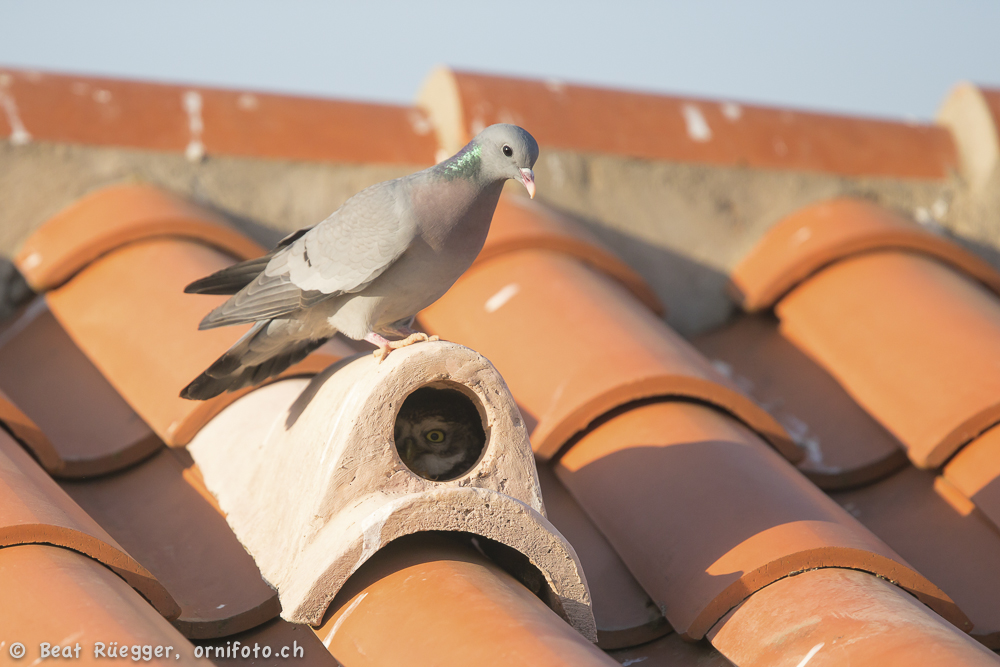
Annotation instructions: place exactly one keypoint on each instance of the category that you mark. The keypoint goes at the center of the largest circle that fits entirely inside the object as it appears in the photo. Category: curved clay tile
(165, 523)
(936, 530)
(973, 116)
(624, 613)
(975, 471)
(111, 217)
(841, 617)
(447, 605)
(671, 651)
(128, 312)
(91, 430)
(197, 120)
(18, 424)
(843, 445)
(276, 633)
(704, 514)
(913, 341)
(660, 127)
(33, 510)
(66, 599)
(520, 223)
(819, 235)
(572, 345)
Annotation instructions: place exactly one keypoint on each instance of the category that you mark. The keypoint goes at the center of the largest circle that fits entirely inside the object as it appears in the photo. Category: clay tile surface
(972, 113)
(34, 510)
(625, 615)
(18, 424)
(64, 598)
(90, 429)
(937, 530)
(659, 127)
(975, 472)
(573, 344)
(653, 477)
(128, 312)
(671, 651)
(912, 340)
(841, 617)
(197, 120)
(167, 525)
(446, 605)
(843, 445)
(818, 235)
(520, 223)
(276, 635)
(110, 218)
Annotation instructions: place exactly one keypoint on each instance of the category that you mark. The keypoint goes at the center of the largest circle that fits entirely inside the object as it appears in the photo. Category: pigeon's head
(507, 151)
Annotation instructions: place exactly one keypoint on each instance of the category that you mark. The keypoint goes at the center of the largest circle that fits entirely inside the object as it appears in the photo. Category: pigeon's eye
(507, 150)
(437, 435)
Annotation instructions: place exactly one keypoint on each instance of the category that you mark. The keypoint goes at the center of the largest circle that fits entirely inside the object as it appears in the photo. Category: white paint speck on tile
(555, 86)
(19, 135)
(195, 150)
(420, 123)
(102, 96)
(809, 656)
(731, 110)
(343, 617)
(697, 127)
(502, 296)
(801, 236)
(633, 661)
(247, 102)
(221, 606)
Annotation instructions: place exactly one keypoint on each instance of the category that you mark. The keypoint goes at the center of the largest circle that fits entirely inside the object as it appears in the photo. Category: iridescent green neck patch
(465, 163)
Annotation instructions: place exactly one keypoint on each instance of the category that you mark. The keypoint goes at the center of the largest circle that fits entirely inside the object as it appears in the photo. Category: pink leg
(386, 346)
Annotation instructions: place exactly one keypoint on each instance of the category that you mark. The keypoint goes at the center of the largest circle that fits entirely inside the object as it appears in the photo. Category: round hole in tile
(439, 432)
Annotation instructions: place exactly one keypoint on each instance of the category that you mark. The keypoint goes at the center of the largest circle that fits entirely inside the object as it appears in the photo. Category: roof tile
(653, 477)
(65, 598)
(975, 471)
(660, 127)
(198, 120)
(841, 617)
(953, 547)
(154, 512)
(34, 510)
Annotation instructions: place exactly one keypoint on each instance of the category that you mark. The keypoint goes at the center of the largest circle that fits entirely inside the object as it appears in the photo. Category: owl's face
(430, 434)
(437, 437)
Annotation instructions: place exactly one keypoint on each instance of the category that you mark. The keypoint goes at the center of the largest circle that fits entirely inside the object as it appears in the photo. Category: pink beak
(528, 178)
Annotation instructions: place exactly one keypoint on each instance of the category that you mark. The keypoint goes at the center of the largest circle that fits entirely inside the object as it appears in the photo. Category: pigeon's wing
(342, 254)
(232, 279)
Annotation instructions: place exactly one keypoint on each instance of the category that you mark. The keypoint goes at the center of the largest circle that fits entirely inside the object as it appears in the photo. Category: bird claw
(416, 337)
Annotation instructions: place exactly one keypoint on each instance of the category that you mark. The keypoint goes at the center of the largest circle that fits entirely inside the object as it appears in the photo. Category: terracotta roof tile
(276, 634)
(660, 127)
(604, 348)
(975, 471)
(90, 430)
(841, 617)
(446, 604)
(168, 526)
(920, 517)
(816, 236)
(198, 120)
(844, 446)
(34, 510)
(912, 340)
(671, 651)
(653, 477)
(150, 322)
(65, 598)
(625, 615)
(16, 423)
(973, 115)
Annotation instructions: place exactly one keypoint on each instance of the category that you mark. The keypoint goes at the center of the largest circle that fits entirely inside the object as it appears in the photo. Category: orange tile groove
(34, 510)
(64, 598)
(844, 446)
(197, 120)
(819, 235)
(840, 617)
(661, 127)
(446, 605)
(975, 472)
(572, 345)
(19, 425)
(653, 477)
(914, 342)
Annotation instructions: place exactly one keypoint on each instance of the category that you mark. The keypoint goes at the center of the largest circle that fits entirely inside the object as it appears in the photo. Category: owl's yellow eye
(437, 435)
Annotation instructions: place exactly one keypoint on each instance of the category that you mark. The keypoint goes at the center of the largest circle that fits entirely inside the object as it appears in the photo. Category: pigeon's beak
(528, 178)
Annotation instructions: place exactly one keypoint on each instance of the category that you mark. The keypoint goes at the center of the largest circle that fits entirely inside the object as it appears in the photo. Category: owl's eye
(507, 150)
(437, 435)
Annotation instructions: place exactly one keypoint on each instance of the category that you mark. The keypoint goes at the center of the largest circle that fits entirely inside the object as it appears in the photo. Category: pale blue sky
(895, 59)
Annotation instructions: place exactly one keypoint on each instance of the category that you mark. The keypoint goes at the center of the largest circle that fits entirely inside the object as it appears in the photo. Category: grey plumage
(390, 251)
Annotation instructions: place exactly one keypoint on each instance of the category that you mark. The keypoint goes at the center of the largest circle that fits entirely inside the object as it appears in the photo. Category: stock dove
(390, 251)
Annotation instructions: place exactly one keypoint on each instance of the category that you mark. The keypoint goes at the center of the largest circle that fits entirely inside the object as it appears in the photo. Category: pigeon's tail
(255, 357)
(231, 279)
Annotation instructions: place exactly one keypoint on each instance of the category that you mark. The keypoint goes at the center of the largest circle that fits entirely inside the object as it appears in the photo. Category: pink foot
(386, 346)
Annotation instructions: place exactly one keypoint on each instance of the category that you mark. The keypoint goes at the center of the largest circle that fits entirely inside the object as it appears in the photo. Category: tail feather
(231, 279)
(237, 368)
